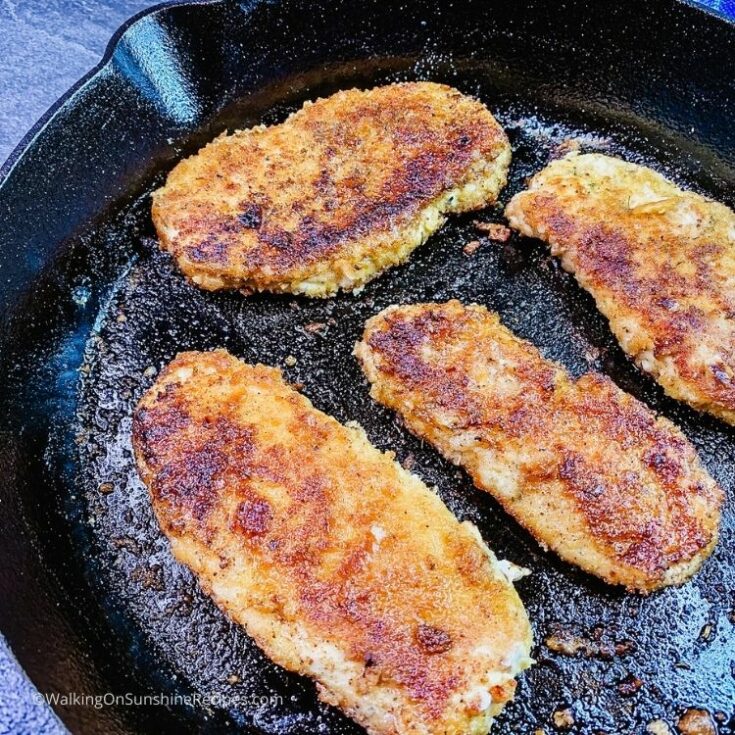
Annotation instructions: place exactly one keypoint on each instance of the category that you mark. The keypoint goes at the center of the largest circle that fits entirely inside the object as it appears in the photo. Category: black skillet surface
(90, 599)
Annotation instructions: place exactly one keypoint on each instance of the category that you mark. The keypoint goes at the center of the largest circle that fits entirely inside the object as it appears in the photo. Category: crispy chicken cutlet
(658, 260)
(343, 189)
(586, 468)
(338, 562)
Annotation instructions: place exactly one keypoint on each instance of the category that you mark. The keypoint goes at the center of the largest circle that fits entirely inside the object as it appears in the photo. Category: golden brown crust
(659, 261)
(338, 562)
(586, 467)
(346, 187)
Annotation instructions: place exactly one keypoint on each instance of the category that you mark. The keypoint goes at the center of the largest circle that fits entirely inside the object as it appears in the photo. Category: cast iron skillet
(90, 599)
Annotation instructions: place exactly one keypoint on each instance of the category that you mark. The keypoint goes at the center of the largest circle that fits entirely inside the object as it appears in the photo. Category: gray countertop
(45, 47)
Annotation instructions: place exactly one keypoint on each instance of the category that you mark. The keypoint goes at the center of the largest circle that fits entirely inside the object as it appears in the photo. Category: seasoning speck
(629, 685)
(696, 722)
(493, 231)
(570, 145)
(625, 646)
(290, 361)
(315, 327)
(658, 727)
(471, 247)
(562, 718)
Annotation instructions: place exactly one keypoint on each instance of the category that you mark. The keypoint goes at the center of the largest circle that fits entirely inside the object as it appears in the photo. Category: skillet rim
(27, 140)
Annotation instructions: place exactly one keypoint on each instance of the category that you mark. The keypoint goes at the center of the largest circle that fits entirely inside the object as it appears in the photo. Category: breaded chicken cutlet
(659, 262)
(338, 562)
(343, 189)
(586, 468)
